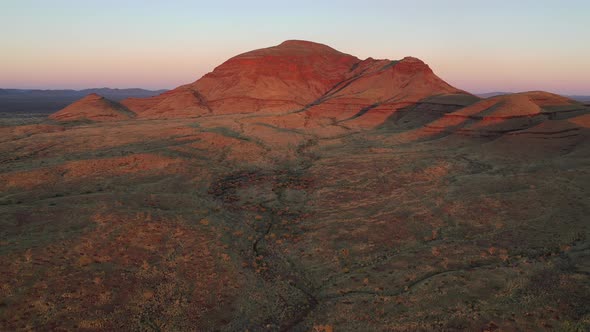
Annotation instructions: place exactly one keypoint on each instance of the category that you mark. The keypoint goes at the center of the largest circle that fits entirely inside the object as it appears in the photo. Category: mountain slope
(377, 88)
(182, 102)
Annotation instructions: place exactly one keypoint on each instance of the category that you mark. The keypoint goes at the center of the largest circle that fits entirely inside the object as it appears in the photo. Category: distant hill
(49, 101)
(491, 94)
(584, 99)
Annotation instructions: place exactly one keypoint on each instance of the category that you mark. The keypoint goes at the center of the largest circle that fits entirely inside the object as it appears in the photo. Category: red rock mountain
(297, 75)
(94, 108)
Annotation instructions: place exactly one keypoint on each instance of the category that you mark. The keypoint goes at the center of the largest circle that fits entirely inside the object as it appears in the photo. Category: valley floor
(233, 223)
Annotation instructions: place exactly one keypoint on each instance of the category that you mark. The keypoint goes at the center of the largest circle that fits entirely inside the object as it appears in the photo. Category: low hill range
(115, 94)
(299, 188)
(24, 101)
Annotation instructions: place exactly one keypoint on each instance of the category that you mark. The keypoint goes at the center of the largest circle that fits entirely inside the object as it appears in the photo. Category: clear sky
(479, 46)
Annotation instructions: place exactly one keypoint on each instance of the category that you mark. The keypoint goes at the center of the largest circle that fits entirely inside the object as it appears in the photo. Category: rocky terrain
(298, 188)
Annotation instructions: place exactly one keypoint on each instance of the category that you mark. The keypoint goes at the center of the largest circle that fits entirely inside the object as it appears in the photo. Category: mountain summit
(287, 76)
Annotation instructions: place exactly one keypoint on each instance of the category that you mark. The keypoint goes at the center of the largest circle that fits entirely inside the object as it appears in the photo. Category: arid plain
(298, 188)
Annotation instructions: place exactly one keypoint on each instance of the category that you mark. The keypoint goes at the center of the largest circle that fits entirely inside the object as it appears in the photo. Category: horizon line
(168, 89)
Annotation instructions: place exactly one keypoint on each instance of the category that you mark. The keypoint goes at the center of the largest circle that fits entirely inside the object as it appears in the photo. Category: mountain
(24, 101)
(93, 108)
(300, 84)
(280, 78)
(298, 76)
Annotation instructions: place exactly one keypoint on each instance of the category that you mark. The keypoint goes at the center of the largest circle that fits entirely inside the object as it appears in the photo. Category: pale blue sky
(474, 45)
